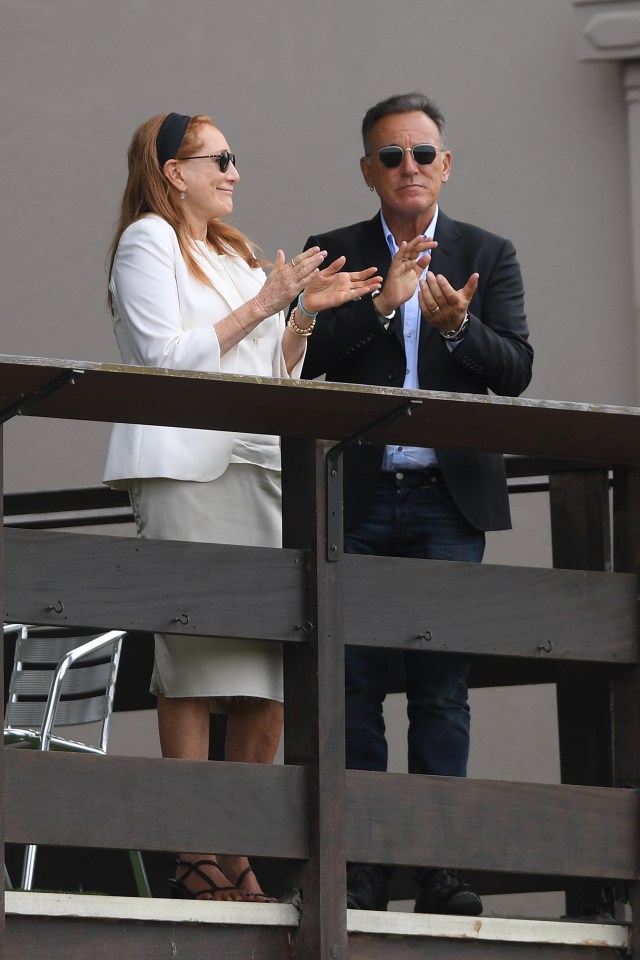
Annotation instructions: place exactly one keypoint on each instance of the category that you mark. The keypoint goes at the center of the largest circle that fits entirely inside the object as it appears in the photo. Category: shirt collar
(391, 243)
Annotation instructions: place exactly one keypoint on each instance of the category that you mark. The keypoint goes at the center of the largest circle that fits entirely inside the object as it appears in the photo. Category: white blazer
(164, 317)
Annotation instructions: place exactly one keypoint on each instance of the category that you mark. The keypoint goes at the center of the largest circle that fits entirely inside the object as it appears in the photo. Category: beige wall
(539, 145)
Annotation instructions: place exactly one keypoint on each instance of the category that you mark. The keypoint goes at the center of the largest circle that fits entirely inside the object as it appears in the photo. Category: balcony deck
(577, 627)
(188, 926)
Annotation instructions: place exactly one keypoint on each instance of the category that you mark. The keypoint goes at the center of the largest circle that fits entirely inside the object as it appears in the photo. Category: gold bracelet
(300, 331)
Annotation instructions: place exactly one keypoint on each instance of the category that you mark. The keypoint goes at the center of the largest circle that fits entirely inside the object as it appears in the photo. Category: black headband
(170, 136)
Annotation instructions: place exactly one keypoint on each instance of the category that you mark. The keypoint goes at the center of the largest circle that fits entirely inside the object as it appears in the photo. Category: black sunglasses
(422, 153)
(223, 159)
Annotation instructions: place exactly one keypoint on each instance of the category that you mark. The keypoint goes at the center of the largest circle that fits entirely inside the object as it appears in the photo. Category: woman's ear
(172, 172)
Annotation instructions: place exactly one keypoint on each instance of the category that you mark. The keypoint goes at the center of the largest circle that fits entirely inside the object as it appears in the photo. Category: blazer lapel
(442, 261)
(374, 245)
(447, 234)
(238, 287)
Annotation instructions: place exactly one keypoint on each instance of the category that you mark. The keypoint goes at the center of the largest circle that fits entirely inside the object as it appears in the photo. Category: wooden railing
(576, 626)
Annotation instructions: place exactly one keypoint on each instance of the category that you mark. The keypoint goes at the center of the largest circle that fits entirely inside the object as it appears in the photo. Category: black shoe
(444, 891)
(367, 887)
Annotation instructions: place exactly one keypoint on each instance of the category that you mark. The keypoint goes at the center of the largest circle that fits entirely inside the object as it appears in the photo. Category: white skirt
(243, 507)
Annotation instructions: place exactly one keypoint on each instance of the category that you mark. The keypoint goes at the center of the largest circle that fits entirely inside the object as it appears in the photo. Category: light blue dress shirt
(409, 458)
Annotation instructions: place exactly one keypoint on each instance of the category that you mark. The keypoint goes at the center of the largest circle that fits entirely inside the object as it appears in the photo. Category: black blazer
(350, 345)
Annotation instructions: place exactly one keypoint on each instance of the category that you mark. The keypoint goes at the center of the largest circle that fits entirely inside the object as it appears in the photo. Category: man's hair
(402, 103)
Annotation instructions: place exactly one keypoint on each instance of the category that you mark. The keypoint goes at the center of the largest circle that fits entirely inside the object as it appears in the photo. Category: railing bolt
(427, 635)
(183, 619)
(546, 647)
(57, 607)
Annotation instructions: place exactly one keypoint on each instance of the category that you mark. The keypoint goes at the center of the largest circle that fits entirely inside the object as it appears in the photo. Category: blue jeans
(411, 515)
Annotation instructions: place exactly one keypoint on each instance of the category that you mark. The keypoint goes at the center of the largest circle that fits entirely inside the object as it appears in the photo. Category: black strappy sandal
(257, 897)
(194, 867)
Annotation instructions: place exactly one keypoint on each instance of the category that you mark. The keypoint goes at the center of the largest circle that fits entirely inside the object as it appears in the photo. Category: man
(449, 316)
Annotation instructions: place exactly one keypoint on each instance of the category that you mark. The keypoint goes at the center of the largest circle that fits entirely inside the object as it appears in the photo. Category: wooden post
(2, 606)
(580, 534)
(626, 681)
(314, 705)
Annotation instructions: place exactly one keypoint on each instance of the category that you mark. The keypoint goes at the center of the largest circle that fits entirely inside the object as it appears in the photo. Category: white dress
(198, 485)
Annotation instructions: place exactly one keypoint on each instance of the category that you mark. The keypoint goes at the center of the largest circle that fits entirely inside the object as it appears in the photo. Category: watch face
(456, 334)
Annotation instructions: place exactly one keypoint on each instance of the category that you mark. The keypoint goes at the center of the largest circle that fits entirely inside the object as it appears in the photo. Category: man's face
(410, 190)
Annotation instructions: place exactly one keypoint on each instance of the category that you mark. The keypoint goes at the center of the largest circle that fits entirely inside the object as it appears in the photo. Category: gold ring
(435, 310)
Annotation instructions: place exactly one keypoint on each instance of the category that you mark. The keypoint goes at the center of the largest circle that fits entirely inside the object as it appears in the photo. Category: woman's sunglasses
(422, 153)
(223, 159)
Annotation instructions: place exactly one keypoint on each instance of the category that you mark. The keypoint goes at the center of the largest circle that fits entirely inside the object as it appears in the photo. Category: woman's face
(209, 191)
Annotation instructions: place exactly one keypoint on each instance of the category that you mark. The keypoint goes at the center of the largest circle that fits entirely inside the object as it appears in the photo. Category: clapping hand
(444, 307)
(330, 287)
(404, 273)
(288, 278)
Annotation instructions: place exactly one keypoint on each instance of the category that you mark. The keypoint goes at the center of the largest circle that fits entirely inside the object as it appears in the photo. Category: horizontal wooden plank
(391, 818)
(367, 946)
(76, 938)
(231, 929)
(157, 586)
(493, 825)
(545, 615)
(152, 804)
(509, 611)
(111, 392)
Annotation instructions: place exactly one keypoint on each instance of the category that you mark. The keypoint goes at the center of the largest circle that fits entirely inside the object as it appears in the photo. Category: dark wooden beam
(493, 825)
(112, 392)
(626, 691)
(510, 611)
(2, 594)
(76, 938)
(391, 818)
(626, 683)
(158, 586)
(367, 946)
(581, 540)
(201, 588)
(150, 804)
(314, 705)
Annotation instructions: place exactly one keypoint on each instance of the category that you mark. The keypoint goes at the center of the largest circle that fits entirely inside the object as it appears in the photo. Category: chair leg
(139, 873)
(28, 866)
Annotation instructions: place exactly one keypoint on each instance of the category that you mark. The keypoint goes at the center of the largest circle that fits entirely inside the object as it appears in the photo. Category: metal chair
(62, 677)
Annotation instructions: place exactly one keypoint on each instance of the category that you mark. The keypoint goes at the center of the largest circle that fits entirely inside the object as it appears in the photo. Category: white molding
(158, 910)
(155, 909)
(608, 29)
(566, 933)
(605, 3)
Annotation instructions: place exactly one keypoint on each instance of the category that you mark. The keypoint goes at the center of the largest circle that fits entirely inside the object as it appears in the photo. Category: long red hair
(148, 191)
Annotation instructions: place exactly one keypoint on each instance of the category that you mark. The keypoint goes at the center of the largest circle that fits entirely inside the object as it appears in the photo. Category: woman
(187, 292)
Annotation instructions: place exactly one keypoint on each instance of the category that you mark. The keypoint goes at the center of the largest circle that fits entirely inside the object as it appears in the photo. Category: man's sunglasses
(223, 159)
(422, 153)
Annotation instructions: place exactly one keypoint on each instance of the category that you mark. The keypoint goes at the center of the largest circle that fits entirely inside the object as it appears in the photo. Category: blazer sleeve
(148, 318)
(343, 332)
(496, 349)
